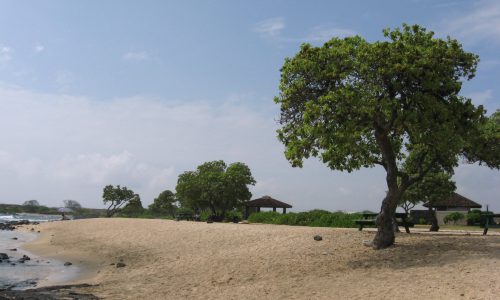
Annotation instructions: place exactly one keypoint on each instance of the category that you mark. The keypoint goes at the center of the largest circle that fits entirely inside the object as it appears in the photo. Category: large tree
(164, 204)
(393, 103)
(215, 186)
(116, 197)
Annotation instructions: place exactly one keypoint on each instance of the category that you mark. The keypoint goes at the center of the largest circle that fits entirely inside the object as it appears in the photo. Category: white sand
(189, 260)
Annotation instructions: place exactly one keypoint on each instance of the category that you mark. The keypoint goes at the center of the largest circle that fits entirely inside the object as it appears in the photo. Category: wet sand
(192, 260)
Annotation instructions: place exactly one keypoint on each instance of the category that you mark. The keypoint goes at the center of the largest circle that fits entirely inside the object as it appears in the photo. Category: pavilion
(265, 201)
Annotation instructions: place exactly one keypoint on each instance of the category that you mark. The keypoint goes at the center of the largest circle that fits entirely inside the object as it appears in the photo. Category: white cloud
(136, 56)
(57, 147)
(39, 48)
(481, 23)
(270, 27)
(325, 33)
(5, 54)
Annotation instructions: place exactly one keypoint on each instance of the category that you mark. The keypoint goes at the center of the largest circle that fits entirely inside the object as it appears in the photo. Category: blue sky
(136, 92)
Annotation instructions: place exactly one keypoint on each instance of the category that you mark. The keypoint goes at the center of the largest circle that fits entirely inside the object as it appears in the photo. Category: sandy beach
(194, 260)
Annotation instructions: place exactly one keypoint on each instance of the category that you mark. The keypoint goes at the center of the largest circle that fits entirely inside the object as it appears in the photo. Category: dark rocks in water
(49, 293)
(4, 256)
(23, 259)
(67, 263)
(120, 265)
(11, 225)
(14, 238)
(318, 238)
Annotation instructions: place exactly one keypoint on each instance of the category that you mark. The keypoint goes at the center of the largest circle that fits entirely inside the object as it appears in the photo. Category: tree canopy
(133, 208)
(393, 103)
(72, 204)
(116, 197)
(164, 204)
(215, 186)
(31, 203)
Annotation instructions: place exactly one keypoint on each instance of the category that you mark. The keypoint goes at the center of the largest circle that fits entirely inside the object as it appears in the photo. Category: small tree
(164, 204)
(215, 186)
(133, 208)
(436, 185)
(72, 204)
(31, 203)
(116, 197)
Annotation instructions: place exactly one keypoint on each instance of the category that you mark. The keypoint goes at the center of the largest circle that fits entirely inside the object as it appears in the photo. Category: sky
(137, 92)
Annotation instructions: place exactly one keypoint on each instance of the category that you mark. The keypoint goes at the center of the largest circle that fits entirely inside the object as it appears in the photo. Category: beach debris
(318, 238)
(120, 265)
(68, 263)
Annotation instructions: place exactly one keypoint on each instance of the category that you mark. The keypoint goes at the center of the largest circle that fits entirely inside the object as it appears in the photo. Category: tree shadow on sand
(432, 251)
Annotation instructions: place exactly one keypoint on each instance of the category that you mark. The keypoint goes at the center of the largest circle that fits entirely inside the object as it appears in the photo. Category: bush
(453, 217)
(315, 218)
(422, 221)
(233, 216)
(473, 217)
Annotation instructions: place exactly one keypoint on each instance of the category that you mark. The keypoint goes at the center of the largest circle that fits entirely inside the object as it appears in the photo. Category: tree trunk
(434, 221)
(385, 222)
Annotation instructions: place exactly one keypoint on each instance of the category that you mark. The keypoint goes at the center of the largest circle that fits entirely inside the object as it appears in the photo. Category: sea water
(36, 271)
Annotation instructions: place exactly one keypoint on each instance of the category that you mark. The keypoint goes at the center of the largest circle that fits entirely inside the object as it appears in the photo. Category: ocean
(37, 270)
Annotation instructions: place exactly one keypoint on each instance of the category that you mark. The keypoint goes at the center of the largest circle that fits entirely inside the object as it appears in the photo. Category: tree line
(214, 186)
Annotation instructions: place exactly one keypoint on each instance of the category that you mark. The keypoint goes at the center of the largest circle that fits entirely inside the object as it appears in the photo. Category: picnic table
(489, 221)
(370, 219)
(187, 217)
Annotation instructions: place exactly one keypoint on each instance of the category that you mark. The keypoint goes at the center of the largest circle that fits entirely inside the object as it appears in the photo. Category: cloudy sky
(136, 92)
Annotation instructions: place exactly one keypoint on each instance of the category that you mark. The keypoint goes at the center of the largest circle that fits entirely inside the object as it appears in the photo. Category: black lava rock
(318, 238)
(68, 263)
(120, 265)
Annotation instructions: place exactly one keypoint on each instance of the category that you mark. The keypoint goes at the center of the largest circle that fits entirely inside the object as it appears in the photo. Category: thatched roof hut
(268, 202)
(454, 202)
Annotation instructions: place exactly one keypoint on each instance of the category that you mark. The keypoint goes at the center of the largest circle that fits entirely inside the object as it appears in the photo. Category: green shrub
(473, 217)
(422, 221)
(315, 218)
(267, 217)
(453, 217)
(233, 215)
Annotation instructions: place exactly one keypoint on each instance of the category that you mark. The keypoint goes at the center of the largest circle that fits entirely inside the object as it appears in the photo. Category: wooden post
(284, 210)
(274, 209)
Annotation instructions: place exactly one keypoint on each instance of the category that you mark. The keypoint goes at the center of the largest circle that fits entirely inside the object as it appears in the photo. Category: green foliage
(116, 197)
(133, 208)
(315, 218)
(394, 103)
(215, 186)
(453, 217)
(473, 217)
(434, 186)
(164, 204)
(484, 142)
(422, 221)
(72, 204)
(31, 203)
